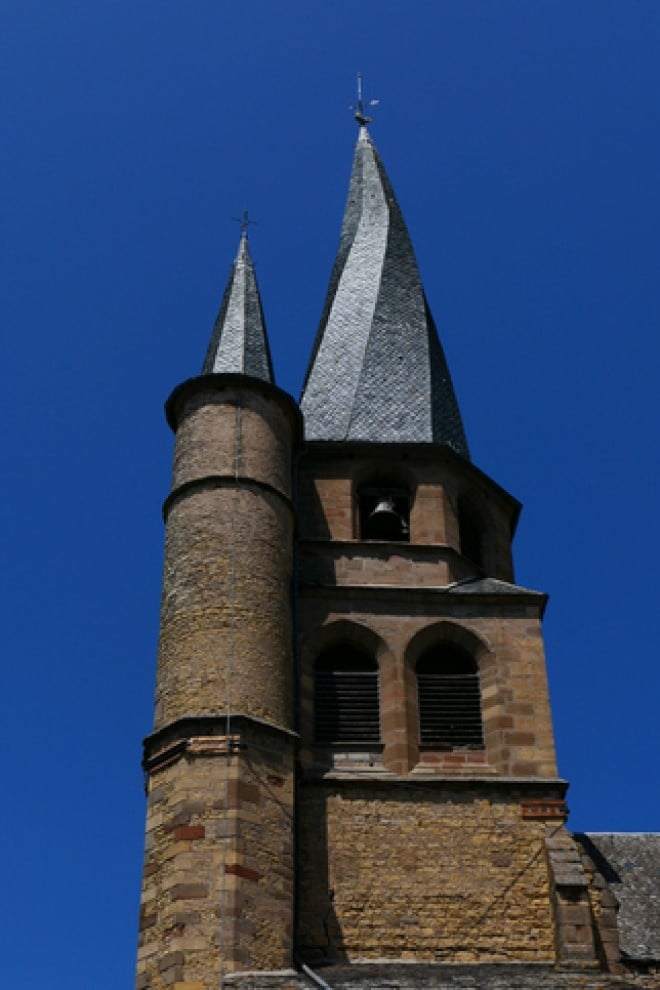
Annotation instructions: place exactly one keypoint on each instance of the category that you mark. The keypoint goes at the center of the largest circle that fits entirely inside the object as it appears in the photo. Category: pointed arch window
(449, 699)
(346, 696)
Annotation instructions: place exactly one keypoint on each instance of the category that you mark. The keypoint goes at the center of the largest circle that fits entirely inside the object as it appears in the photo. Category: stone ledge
(379, 776)
(430, 593)
(204, 735)
(212, 482)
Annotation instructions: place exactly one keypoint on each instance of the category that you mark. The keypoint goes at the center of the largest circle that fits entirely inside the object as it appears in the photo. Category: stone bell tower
(431, 810)
(218, 876)
(352, 762)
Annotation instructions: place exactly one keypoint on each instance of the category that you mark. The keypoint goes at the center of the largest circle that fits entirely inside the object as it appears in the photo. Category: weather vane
(244, 221)
(358, 109)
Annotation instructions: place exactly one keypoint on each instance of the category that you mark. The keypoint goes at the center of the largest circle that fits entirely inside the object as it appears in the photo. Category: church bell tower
(430, 804)
(352, 762)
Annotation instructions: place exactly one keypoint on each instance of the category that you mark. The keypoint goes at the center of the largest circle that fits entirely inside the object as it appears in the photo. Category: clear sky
(523, 142)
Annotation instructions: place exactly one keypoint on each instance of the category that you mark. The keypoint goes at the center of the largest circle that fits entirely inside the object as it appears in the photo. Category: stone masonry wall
(327, 499)
(226, 628)
(518, 737)
(225, 635)
(410, 873)
(392, 564)
(208, 444)
(218, 873)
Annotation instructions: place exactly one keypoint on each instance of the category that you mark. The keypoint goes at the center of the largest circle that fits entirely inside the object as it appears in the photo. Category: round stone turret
(226, 628)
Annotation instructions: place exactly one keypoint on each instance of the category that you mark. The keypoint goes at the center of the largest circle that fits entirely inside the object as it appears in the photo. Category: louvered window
(449, 699)
(346, 707)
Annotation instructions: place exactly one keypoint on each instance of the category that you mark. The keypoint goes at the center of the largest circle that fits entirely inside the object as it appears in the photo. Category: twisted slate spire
(239, 344)
(378, 372)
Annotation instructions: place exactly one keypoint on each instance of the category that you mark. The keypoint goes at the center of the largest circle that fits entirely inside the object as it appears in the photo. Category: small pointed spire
(239, 344)
(378, 372)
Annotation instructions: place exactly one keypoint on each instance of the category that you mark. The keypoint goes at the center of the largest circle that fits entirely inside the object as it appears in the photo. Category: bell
(385, 523)
(384, 506)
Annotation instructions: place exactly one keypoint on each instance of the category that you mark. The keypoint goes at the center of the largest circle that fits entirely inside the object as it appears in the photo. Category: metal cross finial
(244, 221)
(358, 109)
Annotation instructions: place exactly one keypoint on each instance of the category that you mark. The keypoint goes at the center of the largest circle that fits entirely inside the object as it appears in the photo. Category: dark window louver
(346, 703)
(449, 701)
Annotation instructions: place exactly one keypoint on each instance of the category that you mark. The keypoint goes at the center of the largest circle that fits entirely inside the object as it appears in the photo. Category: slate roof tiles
(629, 862)
(239, 344)
(378, 372)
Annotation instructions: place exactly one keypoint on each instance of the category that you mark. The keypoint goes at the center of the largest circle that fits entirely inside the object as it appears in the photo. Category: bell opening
(384, 515)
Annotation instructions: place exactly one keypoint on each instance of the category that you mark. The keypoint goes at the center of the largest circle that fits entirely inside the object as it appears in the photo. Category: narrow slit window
(471, 533)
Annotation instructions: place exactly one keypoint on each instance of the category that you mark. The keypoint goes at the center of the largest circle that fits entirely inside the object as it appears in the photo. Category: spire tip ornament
(244, 222)
(358, 110)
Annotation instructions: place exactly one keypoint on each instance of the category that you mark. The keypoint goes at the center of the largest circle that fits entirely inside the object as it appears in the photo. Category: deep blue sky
(523, 141)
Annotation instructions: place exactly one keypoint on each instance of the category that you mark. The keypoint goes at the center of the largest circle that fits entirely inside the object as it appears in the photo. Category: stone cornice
(204, 735)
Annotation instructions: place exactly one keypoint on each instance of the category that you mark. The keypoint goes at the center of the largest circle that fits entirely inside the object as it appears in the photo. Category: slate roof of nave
(630, 864)
(427, 976)
(484, 976)
(239, 344)
(378, 372)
